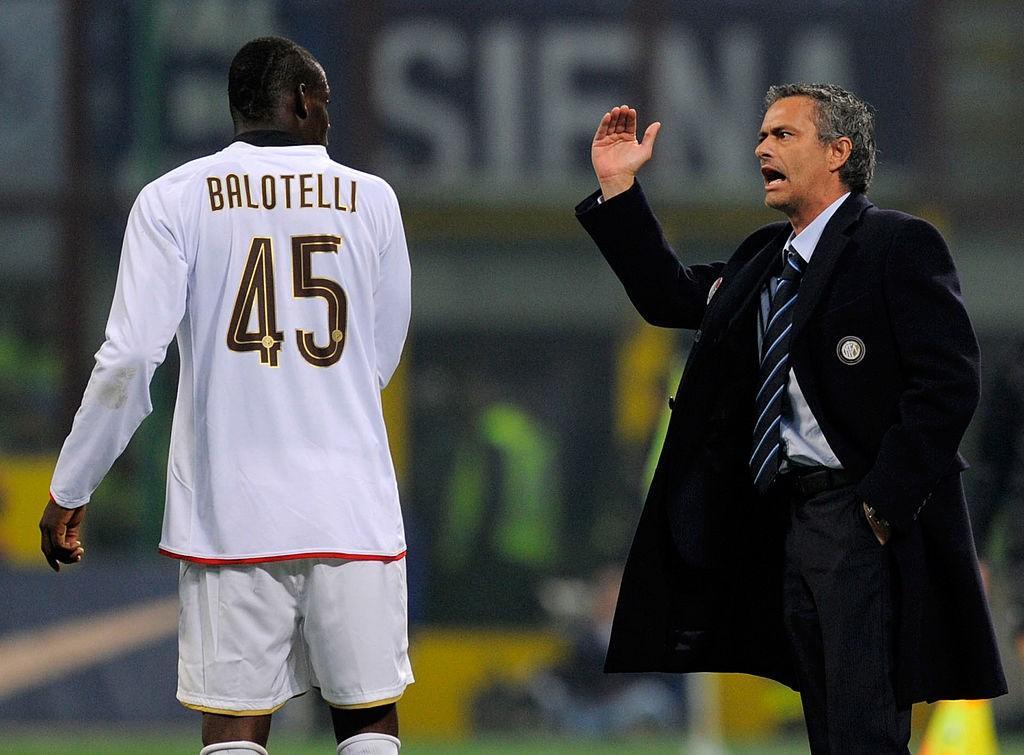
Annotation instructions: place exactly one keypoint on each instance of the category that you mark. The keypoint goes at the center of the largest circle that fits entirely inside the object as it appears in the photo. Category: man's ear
(301, 109)
(839, 152)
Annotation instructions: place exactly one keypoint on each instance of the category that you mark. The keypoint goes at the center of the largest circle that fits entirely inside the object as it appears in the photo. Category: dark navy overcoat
(702, 585)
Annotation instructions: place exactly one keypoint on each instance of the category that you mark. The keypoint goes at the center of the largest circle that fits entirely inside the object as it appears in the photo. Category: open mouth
(772, 177)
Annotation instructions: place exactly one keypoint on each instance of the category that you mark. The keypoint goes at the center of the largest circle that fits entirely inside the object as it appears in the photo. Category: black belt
(809, 481)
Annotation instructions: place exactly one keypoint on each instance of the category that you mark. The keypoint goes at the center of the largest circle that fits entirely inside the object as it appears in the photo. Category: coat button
(696, 337)
(671, 403)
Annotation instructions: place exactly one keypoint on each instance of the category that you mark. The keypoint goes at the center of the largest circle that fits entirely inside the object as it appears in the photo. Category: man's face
(794, 163)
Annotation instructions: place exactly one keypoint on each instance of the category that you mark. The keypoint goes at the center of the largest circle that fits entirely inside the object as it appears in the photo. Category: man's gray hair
(840, 113)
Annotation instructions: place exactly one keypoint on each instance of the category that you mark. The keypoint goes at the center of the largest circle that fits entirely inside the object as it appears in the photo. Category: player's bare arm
(616, 153)
(61, 530)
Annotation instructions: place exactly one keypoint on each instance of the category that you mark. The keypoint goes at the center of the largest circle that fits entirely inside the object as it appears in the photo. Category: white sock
(370, 743)
(234, 748)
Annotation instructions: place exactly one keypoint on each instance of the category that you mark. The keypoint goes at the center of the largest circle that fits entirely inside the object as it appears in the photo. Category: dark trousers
(838, 615)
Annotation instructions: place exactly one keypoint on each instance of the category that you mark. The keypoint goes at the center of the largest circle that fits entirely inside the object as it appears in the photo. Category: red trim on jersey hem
(289, 557)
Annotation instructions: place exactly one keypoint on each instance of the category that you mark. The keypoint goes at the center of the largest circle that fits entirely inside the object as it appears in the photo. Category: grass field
(110, 744)
(27, 743)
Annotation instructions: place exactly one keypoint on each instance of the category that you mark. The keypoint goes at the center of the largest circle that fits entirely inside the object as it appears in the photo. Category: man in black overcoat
(806, 521)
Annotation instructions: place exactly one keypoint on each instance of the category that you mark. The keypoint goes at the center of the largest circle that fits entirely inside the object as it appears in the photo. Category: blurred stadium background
(530, 394)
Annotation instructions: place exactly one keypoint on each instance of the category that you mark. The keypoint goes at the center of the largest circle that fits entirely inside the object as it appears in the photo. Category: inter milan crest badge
(850, 350)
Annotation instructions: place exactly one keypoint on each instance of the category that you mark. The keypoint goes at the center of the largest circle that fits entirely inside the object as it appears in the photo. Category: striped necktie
(774, 374)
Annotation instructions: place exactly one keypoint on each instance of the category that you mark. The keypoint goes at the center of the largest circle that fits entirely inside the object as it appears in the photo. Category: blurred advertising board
(478, 99)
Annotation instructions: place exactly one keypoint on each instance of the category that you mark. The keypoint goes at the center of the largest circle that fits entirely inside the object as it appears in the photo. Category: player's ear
(301, 109)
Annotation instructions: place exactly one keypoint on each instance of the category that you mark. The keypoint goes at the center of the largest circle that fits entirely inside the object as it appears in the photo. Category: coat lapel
(746, 285)
(830, 246)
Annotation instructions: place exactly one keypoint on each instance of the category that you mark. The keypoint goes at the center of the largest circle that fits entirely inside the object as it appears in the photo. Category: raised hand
(615, 151)
(61, 529)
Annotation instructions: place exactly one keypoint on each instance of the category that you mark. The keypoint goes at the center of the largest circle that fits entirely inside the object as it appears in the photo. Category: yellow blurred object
(24, 486)
(453, 665)
(644, 357)
(753, 708)
(960, 727)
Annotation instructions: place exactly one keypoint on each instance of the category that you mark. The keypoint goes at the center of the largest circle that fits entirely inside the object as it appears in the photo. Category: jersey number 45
(256, 301)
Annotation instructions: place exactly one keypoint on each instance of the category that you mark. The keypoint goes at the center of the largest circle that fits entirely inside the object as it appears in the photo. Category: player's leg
(366, 731)
(356, 633)
(240, 651)
(227, 735)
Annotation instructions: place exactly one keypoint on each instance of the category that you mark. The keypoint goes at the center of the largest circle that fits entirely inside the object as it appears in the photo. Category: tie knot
(793, 267)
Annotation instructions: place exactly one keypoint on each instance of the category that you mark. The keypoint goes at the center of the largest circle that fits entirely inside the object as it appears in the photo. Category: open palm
(615, 151)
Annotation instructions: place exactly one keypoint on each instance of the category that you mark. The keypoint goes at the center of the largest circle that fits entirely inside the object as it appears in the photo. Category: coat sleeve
(664, 291)
(939, 360)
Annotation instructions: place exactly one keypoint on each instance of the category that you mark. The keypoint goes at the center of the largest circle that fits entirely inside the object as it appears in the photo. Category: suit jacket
(701, 589)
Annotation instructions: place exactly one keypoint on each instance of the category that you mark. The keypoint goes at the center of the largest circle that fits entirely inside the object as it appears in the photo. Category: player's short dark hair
(840, 113)
(262, 71)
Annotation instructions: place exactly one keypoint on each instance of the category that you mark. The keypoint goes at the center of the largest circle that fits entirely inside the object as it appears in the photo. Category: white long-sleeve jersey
(286, 278)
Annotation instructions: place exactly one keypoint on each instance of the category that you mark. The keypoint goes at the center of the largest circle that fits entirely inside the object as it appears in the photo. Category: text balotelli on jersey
(309, 190)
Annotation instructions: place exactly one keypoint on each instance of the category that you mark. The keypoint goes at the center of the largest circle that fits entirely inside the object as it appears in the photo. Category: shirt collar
(805, 241)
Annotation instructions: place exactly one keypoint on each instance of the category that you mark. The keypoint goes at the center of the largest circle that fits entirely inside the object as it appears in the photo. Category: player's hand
(62, 529)
(615, 151)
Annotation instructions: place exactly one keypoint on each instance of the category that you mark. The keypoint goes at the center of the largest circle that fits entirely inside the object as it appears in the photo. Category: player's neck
(267, 137)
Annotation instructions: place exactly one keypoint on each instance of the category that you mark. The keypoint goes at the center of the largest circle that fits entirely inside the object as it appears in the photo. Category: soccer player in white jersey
(285, 277)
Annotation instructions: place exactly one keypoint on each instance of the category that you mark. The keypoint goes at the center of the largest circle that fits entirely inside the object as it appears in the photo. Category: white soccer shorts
(252, 636)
